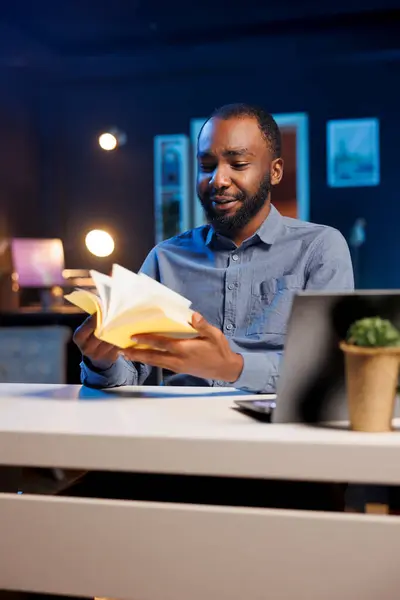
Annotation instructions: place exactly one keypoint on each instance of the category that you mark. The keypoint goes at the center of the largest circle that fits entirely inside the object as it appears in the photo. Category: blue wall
(80, 186)
(19, 160)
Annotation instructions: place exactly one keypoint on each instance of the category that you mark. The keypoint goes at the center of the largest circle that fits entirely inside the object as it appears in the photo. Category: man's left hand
(208, 356)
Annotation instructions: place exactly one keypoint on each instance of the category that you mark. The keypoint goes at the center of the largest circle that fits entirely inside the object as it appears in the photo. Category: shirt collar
(267, 233)
(269, 230)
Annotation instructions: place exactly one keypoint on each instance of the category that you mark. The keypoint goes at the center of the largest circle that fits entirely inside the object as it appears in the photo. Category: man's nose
(220, 178)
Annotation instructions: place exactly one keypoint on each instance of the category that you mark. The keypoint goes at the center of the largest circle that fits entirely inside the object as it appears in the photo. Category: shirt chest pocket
(270, 305)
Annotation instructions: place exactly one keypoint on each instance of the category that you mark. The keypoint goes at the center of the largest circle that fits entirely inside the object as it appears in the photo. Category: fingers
(85, 331)
(161, 342)
(96, 350)
(155, 358)
(91, 346)
(84, 337)
(204, 328)
(157, 342)
(106, 352)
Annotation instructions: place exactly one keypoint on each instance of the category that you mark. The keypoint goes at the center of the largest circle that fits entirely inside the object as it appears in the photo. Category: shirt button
(235, 257)
(231, 286)
(229, 326)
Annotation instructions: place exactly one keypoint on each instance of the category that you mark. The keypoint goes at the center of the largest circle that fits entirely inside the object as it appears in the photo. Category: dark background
(69, 70)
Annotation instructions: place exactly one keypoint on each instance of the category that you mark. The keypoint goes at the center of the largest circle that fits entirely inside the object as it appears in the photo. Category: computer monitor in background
(37, 263)
(32, 275)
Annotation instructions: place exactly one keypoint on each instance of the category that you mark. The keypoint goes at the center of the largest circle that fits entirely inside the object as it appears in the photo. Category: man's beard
(251, 206)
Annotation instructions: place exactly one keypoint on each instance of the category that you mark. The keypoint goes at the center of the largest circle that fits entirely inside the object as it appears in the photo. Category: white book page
(181, 315)
(161, 290)
(129, 290)
(103, 285)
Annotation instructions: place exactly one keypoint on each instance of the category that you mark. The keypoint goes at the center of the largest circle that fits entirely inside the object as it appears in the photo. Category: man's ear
(276, 171)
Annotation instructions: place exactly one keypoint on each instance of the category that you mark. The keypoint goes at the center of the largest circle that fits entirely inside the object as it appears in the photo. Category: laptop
(311, 388)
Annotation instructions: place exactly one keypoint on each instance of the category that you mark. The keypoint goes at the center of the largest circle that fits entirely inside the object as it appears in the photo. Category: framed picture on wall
(171, 185)
(292, 196)
(353, 153)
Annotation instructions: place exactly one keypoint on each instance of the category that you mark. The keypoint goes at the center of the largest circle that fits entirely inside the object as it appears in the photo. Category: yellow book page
(153, 322)
(88, 302)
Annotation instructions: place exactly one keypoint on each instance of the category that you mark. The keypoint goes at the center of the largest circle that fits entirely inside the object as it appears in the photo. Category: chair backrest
(33, 354)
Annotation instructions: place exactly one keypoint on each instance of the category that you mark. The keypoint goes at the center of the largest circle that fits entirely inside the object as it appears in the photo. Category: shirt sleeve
(260, 372)
(330, 266)
(122, 372)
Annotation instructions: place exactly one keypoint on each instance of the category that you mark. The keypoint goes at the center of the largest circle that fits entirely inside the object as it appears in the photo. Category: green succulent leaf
(373, 332)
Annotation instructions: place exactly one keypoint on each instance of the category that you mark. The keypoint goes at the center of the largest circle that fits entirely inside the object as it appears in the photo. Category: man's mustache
(222, 195)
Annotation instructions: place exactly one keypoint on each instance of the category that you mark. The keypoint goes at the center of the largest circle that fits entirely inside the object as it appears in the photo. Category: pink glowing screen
(37, 262)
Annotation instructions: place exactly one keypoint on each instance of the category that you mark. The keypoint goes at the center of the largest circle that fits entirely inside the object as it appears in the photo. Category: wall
(82, 186)
(19, 171)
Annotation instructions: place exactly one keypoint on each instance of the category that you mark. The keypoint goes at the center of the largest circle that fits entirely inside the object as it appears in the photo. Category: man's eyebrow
(229, 152)
(238, 152)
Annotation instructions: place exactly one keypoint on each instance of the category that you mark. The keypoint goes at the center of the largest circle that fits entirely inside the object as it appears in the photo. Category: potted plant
(372, 358)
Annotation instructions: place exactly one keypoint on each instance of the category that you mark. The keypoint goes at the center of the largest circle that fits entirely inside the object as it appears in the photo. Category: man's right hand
(101, 355)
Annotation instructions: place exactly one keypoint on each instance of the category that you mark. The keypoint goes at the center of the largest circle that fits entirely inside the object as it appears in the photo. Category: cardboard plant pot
(372, 380)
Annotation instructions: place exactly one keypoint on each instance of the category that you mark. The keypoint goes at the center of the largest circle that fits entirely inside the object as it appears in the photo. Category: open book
(127, 304)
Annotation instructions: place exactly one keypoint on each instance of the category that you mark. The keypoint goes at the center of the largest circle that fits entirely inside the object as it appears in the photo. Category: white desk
(161, 551)
(180, 430)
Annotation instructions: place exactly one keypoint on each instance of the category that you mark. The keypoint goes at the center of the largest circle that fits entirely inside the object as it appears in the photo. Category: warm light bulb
(108, 141)
(100, 243)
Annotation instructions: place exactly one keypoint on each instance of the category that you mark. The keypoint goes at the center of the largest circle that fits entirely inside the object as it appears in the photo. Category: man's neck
(254, 225)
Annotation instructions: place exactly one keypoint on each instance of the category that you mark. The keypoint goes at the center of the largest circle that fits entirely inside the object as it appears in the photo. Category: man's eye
(207, 168)
(240, 165)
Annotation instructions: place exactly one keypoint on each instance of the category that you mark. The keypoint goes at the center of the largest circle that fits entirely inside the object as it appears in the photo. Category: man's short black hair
(266, 122)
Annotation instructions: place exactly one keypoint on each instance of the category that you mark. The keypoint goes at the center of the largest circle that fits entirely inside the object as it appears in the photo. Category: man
(240, 271)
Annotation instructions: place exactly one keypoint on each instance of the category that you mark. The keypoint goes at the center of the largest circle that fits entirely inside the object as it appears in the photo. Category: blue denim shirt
(245, 291)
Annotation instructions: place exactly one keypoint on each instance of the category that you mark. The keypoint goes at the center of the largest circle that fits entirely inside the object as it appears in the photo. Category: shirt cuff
(114, 376)
(260, 372)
